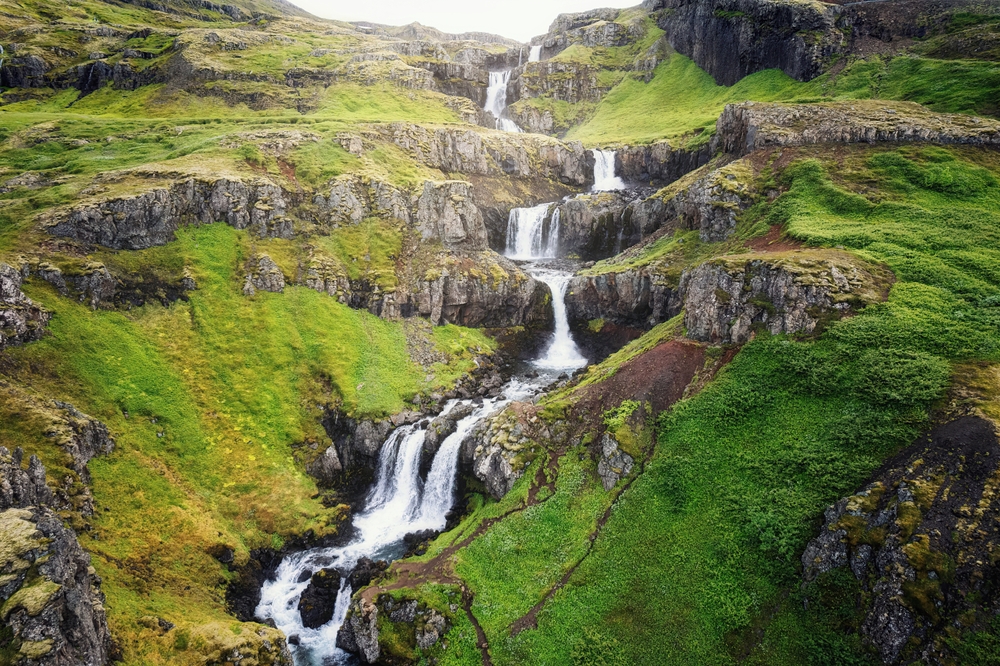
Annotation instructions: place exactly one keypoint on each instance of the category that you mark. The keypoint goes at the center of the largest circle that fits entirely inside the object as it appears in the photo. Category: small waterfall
(520, 57)
(605, 179)
(562, 352)
(496, 101)
(536, 53)
(526, 233)
(527, 241)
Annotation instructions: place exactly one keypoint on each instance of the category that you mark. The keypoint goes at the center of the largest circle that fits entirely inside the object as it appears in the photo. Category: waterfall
(536, 53)
(527, 241)
(526, 237)
(399, 503)
(496, 101)
(604, 172)
(562, 352)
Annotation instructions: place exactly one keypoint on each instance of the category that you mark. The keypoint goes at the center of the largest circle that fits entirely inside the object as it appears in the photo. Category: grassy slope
(682, 99)
(208, 400)
(706, 542)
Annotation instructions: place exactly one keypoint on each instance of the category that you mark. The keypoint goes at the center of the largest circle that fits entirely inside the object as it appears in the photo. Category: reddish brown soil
(773, 242)
(658, 377)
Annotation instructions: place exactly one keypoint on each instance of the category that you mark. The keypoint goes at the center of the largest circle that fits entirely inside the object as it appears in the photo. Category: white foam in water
(399, 503)
(496, 101)
(526, 234)
(536, 54)
(605, 179)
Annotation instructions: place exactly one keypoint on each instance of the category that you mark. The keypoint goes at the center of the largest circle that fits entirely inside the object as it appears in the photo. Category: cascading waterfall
(527, 236)
(605, 179)
(527, 241)
(400, 502)
(496, 100)
(536, 54)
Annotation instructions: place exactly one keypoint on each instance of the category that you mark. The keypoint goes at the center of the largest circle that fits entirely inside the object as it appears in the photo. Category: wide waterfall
(536, 54)
(496, 101)
(400, 502)
(604, 172)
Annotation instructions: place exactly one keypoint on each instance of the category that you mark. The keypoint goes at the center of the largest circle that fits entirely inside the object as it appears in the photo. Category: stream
(400, 502)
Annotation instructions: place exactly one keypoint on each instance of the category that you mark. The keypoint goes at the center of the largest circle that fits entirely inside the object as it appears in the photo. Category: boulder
(365, 571)
(359, 635)
(316, 604)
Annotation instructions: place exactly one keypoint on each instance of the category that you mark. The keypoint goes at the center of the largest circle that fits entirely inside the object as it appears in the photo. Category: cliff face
(151, 218)
(733, 38)
(725, 300)
(743, 128)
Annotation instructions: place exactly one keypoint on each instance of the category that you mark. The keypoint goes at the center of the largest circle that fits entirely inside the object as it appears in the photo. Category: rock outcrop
(421, 626)
(491, 153)
(501, 447)
(263, 275)
(50, 598)
(730, 39)
(446, 213)
(151, 218)
(21, 320)
(660, 163)
(639, 298)
(706, 202)
(564, 81)
(359, 633)
(743, 128)
(725, 300)
(614, 464)
(917, 539)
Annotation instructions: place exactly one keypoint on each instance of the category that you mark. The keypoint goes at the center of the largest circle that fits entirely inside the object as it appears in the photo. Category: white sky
(516, 19)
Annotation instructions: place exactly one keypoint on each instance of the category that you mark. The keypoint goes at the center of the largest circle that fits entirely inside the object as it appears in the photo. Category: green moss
(32, 597)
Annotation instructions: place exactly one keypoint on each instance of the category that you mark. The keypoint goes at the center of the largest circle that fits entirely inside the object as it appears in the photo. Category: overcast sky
(517, 19)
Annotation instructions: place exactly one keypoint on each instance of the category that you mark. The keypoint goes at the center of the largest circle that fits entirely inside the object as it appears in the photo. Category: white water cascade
(605, 179)
(496, 101)
(400, 502)
(529, 241)
(536, 54)
(527, 236)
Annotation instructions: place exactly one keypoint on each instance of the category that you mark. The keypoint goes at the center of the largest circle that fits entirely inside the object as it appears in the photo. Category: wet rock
(441, 427)
(359, 635)
(614, 465)
(365, 571)
(21, 320)
(316, 604)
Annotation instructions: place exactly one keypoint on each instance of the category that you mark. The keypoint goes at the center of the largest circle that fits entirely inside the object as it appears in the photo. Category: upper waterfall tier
(605, 179)
(496, 101)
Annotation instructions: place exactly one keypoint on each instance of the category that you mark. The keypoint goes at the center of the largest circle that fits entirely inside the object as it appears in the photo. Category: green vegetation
(701, 552)
(682, 102)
